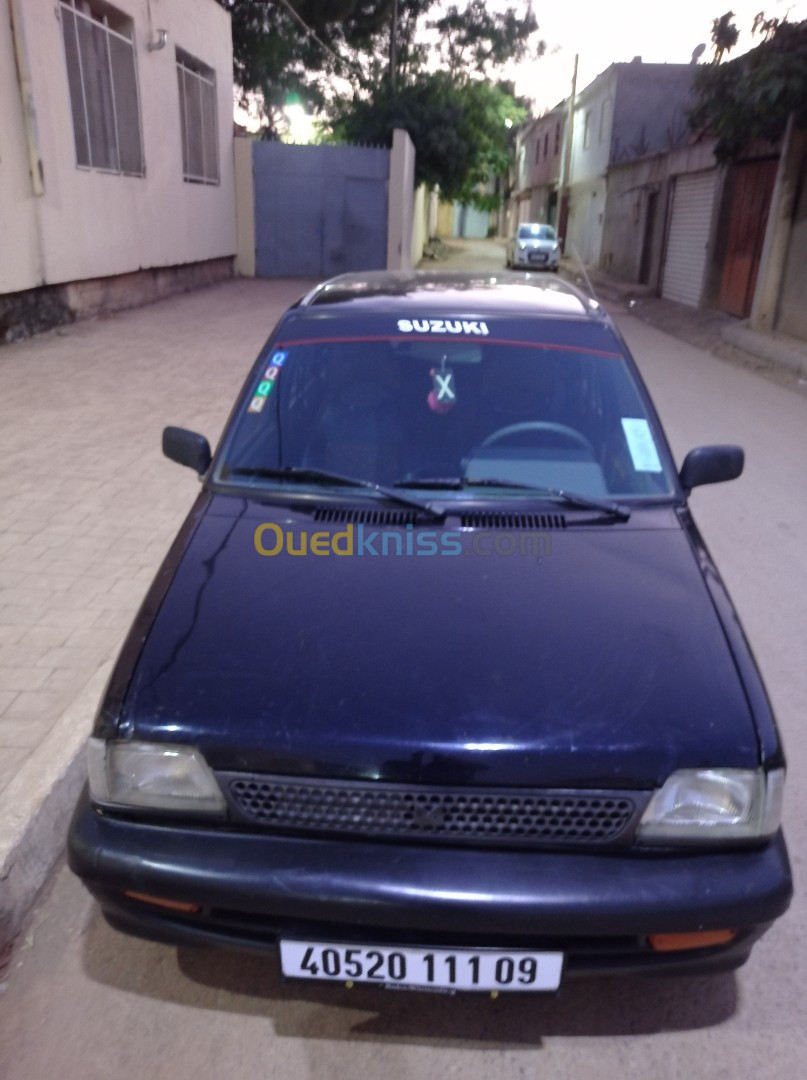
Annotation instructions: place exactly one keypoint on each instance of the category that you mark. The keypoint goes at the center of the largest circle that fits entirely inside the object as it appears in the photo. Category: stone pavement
(88, 507)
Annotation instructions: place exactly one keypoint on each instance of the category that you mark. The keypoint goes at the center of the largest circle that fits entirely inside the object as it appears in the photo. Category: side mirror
(711, 465)
(187, 448)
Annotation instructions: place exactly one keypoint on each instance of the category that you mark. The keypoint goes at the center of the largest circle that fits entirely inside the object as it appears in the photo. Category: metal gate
(319, 210)
(749, 201)
(688, 238)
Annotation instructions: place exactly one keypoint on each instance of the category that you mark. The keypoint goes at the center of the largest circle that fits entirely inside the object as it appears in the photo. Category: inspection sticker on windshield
(640, 443)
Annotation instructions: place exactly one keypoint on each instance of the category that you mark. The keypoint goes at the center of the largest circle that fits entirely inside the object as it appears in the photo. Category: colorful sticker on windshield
(272, 372)
(640, 443)
(264, 388)
(257, 404)
(279, 358)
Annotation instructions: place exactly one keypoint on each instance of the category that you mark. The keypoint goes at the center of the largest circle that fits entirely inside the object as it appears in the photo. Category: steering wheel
(541, 425)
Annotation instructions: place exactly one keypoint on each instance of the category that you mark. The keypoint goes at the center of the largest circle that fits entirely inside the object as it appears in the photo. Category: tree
(752, 96)
(445, 94)
(274, 55)
(459, 129)
(441, 86)
(724, 35)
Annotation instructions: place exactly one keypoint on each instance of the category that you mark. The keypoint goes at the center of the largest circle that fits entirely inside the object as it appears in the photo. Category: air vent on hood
(342, 514)
(503, 520)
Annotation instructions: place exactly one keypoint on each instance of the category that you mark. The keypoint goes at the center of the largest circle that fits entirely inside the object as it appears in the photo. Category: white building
(115, 151)
(627, 112)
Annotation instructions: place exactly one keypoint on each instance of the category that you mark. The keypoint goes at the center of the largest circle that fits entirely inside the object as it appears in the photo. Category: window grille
(102, 82)
(198, 120)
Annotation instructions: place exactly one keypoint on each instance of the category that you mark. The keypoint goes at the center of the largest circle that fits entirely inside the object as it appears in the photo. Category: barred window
(102, 80)
(198, 120)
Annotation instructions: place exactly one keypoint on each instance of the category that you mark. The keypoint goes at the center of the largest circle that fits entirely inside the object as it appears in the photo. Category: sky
(603, 32)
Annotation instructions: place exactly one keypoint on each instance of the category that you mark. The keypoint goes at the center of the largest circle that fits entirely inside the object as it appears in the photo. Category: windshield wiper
(303, 475)
(570, 498)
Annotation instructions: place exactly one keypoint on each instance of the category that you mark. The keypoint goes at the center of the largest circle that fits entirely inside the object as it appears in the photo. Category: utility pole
(563, 215)
(393, 48)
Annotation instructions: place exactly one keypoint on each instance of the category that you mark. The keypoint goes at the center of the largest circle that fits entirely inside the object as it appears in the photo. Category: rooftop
(458, 292)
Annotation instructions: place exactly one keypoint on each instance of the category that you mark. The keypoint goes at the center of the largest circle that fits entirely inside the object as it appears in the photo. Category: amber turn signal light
(172, 905)
(699, 939)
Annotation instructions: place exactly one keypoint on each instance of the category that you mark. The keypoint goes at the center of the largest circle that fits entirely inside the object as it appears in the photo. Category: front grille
(491, 817)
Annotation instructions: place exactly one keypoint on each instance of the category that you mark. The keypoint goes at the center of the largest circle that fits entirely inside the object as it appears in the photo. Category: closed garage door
(690, 224)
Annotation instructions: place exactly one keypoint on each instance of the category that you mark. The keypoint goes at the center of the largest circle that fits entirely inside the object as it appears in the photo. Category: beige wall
(400, 202)
(89, 223)
(420, 223)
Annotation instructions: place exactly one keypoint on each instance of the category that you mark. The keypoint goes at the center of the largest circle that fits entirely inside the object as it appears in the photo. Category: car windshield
(416, 412)
(536, 232)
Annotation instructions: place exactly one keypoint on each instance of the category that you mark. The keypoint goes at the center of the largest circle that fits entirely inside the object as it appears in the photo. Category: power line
(313, 35)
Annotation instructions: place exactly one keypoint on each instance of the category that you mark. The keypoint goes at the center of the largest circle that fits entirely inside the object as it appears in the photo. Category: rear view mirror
(711, 465)
(187, 448)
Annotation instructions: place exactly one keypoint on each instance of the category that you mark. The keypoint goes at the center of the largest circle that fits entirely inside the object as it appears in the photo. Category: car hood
(599, 662)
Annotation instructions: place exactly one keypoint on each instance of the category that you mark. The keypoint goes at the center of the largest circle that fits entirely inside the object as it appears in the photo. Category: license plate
(443, 969)
(538, 258)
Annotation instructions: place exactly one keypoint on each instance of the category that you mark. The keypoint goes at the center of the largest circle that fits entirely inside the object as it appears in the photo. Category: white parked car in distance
(535, 245)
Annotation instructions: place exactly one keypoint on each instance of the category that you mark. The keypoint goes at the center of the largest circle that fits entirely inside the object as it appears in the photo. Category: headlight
(154, 776)
(714, 805)
(521, 245)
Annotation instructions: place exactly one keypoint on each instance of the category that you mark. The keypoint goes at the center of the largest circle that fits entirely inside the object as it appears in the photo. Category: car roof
(403, 292)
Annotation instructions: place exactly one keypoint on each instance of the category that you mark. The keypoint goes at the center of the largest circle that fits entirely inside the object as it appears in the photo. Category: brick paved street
(88, 505)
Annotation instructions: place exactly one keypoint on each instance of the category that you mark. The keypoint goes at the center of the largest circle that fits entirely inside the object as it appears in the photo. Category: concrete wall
(650, 109)
(792, 318)
(244, 206)
(629, 111)
(420, 223)
(628, 202)
(591, 153)
(88, 223)
(400, 209)
(445, 219)
(470, 222)
(549, 131)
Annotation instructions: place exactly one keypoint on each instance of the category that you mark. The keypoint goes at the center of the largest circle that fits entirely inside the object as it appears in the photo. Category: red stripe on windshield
(434, 338)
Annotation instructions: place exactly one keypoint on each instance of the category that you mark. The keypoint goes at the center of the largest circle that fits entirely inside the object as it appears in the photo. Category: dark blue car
(438, 685)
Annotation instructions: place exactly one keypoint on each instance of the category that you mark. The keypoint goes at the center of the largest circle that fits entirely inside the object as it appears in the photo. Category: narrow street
(81, 1001)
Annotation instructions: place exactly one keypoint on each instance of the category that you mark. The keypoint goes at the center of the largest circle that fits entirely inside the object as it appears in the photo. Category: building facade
(629, 111)
(115, 148)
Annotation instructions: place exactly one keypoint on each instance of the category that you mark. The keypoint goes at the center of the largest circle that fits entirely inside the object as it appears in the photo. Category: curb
(771, 347)
(36, 806)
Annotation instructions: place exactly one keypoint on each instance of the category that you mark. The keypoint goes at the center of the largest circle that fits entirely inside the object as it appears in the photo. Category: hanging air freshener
(443, 394)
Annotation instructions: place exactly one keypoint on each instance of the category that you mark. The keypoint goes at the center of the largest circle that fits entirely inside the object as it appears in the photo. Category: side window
(198, 119)
(605, 119)
(587, 130)
(102, 82)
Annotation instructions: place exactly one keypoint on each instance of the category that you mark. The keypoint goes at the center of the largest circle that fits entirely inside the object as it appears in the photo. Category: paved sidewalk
(88, 507)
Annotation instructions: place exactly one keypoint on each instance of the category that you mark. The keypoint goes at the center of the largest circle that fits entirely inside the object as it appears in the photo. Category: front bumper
(597, 908)
(537, 260)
